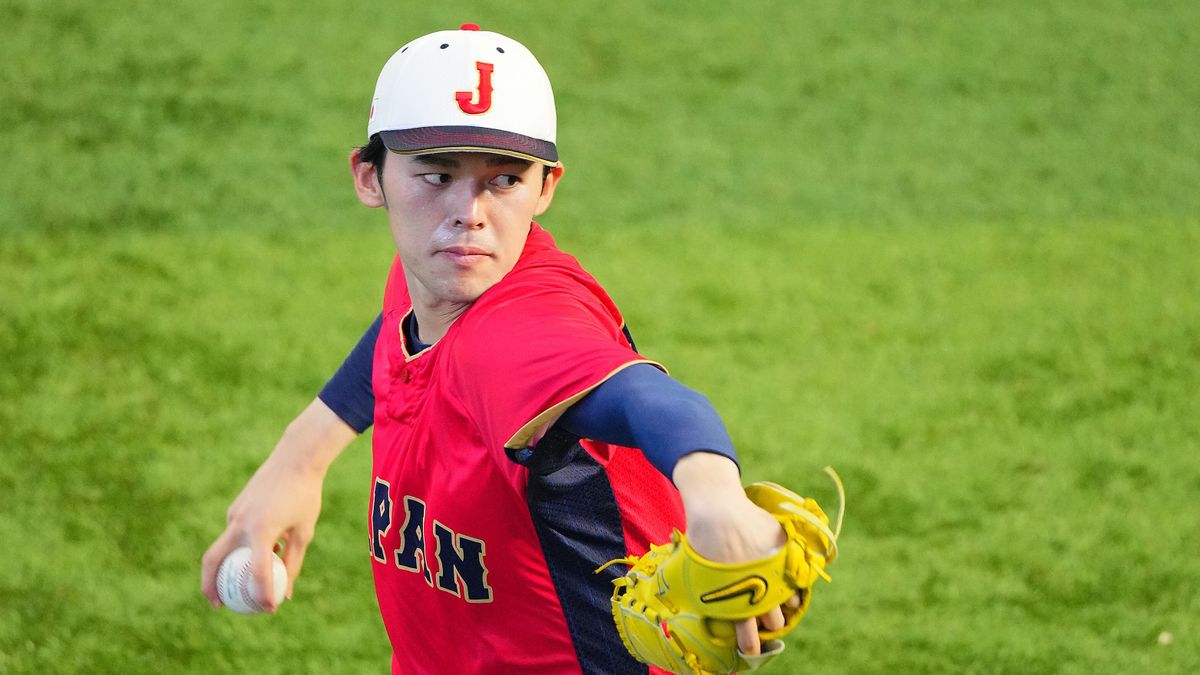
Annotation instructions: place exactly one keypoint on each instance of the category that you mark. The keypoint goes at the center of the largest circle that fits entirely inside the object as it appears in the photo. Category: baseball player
(520, 441)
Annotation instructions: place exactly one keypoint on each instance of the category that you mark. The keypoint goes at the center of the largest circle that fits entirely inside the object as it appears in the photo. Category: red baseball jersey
(484, 547)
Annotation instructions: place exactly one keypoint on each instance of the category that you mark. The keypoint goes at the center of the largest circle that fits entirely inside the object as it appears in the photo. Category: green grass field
(942, 246)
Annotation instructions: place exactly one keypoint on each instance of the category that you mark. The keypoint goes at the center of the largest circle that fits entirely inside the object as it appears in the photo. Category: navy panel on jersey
(578, 524)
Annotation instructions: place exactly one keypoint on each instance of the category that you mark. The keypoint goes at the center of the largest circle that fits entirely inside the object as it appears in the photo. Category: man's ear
(367, 182)
(548, 184)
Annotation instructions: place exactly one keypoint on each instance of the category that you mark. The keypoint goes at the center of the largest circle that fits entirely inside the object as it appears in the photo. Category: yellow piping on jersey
(550, 415)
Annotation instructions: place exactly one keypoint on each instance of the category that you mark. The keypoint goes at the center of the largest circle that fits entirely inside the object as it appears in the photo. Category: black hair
(375, 152)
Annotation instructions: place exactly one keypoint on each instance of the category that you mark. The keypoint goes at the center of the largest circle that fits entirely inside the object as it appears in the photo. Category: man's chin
(460, 289)
(466, 294)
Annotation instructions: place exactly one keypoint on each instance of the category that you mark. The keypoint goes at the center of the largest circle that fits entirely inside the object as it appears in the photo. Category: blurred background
(947, 247)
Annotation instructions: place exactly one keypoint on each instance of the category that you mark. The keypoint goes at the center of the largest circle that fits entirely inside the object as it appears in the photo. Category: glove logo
(755, 587)
(484, 103)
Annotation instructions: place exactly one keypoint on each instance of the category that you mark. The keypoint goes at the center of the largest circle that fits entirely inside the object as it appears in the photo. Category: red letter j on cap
(485, 92)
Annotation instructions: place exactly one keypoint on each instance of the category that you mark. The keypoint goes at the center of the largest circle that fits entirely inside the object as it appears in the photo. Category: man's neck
(434, 317)
(431, 327)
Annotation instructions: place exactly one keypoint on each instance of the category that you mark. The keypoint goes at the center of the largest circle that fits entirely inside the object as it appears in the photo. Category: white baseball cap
(465, 90)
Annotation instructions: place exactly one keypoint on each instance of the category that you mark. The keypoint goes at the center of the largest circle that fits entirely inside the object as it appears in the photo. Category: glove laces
(831, 549)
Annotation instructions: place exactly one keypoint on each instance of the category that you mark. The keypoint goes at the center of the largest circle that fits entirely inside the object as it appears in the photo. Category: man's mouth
(464, 255)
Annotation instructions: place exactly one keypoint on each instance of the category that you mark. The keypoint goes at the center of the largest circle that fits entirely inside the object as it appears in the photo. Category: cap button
(469, 26)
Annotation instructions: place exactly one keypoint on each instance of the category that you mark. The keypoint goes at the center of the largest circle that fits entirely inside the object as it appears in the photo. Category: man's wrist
(706, 479)
(313, 440)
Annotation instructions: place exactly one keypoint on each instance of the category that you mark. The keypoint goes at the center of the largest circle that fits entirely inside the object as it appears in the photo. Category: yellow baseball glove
(674, 609)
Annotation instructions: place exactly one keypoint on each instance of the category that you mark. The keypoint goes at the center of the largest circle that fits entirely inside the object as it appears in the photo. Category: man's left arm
(682, 435)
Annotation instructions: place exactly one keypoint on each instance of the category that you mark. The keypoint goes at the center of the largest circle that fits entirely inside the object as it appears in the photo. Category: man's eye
(436, 178)
(506, 180)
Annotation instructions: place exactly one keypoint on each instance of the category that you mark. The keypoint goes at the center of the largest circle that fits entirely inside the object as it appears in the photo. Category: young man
(506, 396)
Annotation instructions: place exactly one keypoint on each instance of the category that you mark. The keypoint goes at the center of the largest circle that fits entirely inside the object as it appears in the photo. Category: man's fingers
(772, 620)
(211, 562)
(747, 630)
(747, 636)
(293, 559)
(261, 568)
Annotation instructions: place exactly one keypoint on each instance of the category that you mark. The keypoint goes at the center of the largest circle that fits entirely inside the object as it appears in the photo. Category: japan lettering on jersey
(485, 549)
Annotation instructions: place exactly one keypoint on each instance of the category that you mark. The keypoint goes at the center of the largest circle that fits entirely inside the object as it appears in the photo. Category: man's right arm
(282, 500)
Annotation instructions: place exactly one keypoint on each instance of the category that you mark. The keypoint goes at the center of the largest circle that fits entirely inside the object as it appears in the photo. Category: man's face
(460, 220)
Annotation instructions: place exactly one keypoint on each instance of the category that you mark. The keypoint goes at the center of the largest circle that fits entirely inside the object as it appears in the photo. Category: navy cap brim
(426, 140)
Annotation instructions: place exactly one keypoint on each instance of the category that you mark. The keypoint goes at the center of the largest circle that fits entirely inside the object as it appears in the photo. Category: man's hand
(281, 502)
(721, 597)
(723, 525)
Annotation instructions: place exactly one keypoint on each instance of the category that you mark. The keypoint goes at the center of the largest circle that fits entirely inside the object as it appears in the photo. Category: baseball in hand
(236, 586)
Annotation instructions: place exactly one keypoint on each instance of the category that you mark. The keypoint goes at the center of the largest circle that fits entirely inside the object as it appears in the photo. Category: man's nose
(467, 206)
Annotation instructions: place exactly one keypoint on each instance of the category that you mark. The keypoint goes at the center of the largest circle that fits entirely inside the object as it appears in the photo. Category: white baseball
(235, 582)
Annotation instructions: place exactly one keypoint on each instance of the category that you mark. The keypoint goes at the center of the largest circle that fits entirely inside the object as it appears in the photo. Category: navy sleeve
(643, 407)
(348, 393)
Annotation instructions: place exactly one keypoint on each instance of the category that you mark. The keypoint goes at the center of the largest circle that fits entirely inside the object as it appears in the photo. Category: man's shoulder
(547, 292)
(543, 263)
(395, 292)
